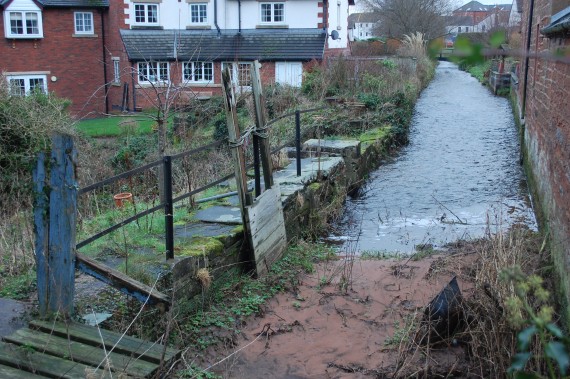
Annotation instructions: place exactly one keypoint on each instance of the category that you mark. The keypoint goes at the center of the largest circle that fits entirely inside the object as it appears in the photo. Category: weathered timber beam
(120, 281)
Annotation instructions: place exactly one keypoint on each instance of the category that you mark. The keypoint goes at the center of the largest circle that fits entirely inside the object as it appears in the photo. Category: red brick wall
(115, 49)
(547, 134)
(475, 16)
(75, 62)
(147, 97)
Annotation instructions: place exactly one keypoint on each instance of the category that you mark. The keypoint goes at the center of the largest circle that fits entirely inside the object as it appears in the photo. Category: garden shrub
(135, 152)
(26, 126)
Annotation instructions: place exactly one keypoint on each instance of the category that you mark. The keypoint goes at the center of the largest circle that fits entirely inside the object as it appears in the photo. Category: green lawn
(118, 125)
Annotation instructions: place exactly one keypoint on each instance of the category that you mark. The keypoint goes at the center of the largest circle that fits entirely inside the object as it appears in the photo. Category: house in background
(483, 17)
(107, 55)
(186, 45)
(473, 9)
(475, 17)
(515, 15)
(56, 45)
(362, 26)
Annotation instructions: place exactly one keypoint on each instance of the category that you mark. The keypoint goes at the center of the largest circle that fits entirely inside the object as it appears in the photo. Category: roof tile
(207, 45)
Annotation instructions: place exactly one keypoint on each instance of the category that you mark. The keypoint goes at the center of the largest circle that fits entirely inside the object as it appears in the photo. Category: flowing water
(458, 177)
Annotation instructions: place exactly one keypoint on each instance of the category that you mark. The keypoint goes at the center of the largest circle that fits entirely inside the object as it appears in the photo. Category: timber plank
(89, 335)
(10, 372)
(79, 352)
(122, 282)
(267, 228)
(41, 364)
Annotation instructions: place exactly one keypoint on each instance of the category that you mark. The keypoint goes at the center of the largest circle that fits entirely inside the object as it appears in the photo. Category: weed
(529, 307)
(402, 332)
(197, 373)
(20, 286)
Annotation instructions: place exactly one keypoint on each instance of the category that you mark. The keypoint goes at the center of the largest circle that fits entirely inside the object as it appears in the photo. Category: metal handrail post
(168, 208)
(298, 140)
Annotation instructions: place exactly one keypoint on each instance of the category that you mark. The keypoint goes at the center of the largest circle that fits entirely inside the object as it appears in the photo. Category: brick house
(56, 45)
(474, 9)
(543, 93)
(156, 51)
(475, 17)
(107, 55)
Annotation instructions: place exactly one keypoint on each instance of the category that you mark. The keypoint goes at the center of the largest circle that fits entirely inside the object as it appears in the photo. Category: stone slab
(202, 230)
(220, 214)
(290, 183)
(346, 148)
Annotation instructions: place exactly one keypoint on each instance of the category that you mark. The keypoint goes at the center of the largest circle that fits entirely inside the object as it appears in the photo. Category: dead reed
(486, 341)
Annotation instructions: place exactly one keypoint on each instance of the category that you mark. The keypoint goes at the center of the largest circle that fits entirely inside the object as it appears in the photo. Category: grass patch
(19, 287)
(147, 232)
(114, 126)
(478, 71)
(375, 134)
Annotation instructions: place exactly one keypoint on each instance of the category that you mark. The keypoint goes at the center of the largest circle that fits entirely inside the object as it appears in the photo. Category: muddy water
(459, 175)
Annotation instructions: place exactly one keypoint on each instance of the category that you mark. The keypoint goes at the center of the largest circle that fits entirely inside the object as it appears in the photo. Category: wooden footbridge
(71, 350)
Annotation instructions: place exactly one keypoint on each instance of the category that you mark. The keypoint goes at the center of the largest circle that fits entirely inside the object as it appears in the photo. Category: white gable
(22, 5)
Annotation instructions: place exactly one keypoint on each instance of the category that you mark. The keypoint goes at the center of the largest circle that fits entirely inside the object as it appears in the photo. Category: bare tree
(406, 17)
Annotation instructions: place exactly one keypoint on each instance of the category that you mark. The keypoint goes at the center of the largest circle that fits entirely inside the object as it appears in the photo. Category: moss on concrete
(315, 186)
(375, 134)
(201, 246)
(237, 230)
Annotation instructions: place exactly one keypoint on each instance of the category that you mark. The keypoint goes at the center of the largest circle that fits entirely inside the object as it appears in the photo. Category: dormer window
(23, 24)
(272, 13)
(146, 14)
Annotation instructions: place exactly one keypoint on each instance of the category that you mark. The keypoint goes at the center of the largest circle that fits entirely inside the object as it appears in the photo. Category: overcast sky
(458, 2)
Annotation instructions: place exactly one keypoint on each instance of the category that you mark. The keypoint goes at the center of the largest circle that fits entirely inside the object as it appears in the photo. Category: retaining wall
(309, 202)
(546, 133)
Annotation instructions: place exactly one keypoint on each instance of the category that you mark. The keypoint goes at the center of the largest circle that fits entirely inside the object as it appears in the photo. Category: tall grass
(488, 335)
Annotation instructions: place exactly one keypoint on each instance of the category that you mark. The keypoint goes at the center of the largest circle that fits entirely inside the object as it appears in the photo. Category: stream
(458, 178)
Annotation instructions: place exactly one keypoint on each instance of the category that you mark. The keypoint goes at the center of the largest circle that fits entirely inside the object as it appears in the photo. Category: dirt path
(322, 332)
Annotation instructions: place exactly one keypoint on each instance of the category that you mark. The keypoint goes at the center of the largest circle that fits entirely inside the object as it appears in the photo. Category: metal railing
(169, 200)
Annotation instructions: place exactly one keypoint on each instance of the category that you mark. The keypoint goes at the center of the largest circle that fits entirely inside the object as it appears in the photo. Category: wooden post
(234, 137)
(55, 213)
(260, 125)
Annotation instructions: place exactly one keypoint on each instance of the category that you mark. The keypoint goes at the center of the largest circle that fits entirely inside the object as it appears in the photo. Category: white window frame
(199, 7)
(272, 6)
(144, 73)
(84, 16)
(27, 83)
(116, 70)
(235, 67)
(195, 72)
(146, 7)
(23, 14)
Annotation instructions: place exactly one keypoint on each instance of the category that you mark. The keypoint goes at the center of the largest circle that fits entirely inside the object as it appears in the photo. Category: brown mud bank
(356, 318)
(335, 325)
